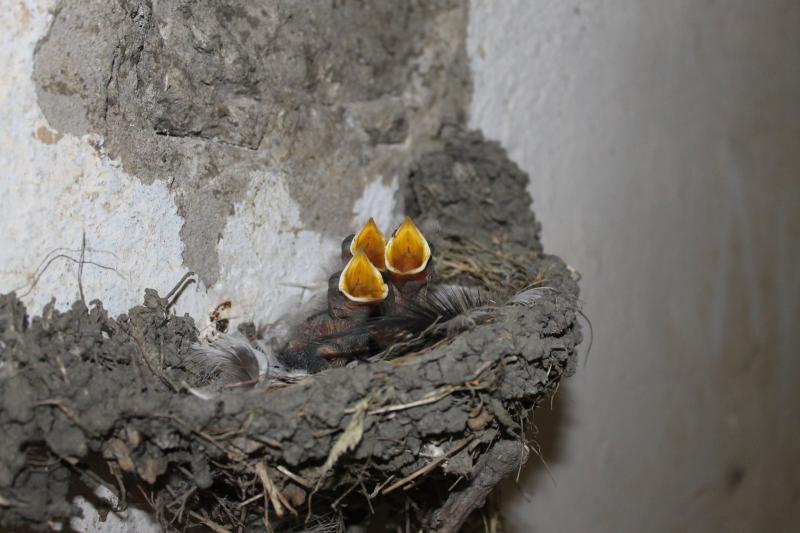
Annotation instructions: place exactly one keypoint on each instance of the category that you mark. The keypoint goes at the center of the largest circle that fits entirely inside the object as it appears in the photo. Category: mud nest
(417, 442)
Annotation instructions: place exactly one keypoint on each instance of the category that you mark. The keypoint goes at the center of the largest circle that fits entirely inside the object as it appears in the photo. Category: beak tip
(372, 240)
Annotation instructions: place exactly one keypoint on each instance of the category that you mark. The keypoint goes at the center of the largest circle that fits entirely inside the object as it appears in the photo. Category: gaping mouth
(372, 241)
(361, 281)
(407, 252)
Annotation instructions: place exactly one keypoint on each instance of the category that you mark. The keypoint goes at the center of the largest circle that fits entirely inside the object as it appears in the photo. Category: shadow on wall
(546, 438)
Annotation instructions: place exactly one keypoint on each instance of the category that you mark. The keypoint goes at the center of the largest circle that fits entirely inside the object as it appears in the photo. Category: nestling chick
(382, 304)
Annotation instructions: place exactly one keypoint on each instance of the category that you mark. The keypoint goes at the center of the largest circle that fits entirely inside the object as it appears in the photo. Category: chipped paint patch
(379, 201)
(57, 189)
(47, 136)
(269, 263)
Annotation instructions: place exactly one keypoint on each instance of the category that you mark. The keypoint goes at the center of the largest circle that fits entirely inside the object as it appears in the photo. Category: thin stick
(81, 262)
(208, 523)
(69, 414)
(591, 336)
(294, 477)
(250, 500)
(538, 453)
(427, 468)
(45, 262)
(122, 503)
(275, 497)
(69, 258)
(178, 289)
(380, 486)
(432, 397)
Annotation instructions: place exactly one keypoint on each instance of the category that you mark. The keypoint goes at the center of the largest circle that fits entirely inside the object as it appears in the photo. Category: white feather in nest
(231, 360)
(324, 525)
(529, 296)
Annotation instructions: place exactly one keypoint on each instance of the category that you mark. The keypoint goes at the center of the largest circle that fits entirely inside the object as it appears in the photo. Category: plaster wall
(256, 246)
(661, 139)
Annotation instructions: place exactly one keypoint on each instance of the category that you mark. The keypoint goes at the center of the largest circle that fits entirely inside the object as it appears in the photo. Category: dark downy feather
(413, 322)
(435, 306)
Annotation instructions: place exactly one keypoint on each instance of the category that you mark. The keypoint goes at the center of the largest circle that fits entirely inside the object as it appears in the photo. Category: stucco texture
(235, 140)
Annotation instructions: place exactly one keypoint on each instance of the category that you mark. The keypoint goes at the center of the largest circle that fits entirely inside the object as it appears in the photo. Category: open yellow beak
(361, 281)
(407, 252)
(372, 241)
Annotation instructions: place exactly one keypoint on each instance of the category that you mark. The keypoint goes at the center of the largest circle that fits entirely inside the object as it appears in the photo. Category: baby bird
(382, 304)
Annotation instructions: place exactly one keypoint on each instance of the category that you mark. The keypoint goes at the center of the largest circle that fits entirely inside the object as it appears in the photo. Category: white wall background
(662, 138)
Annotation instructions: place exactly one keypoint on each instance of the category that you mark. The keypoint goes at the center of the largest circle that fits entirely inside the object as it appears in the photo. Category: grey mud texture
(210, 96)
(88, 399)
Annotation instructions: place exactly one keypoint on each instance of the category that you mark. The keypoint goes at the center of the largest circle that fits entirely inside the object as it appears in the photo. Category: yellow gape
(372, 241)
(361, 282)
(407, 251)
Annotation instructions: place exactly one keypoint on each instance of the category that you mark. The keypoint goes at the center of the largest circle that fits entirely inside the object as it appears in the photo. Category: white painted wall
(55, 187)
(663, 143)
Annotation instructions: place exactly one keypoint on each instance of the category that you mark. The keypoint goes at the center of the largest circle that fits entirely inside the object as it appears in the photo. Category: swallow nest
(402, 401)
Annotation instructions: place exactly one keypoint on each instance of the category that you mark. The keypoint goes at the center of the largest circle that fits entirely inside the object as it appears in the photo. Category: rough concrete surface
(202, 95)
(56, 188)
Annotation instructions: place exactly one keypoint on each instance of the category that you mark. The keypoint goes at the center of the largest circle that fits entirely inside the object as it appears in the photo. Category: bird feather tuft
(413, 321)
(232, 359)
